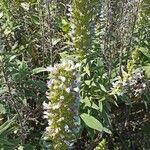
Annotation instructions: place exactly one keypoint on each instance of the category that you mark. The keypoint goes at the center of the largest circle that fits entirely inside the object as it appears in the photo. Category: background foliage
(111, 41)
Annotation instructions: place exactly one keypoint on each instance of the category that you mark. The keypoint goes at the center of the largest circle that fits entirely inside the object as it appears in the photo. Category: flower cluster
(130, 84)
(62, 110)
(137, 83)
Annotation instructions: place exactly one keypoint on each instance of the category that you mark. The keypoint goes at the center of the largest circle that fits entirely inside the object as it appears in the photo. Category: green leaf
(1, 14)
(86, 101)
(2, 109)
(29, 147)
(94, 106)
(147, 71)
(100, 106)
(91, 122)
(87, 69)
(88, 82)
(6, 125)
(107, 130)
(12, 57)
(64, 22)
(93, 84)
(64, 25)
(103, 88)
(145, 52)
(106, 118)
(38, 70)
(5, 142)
(103, 99)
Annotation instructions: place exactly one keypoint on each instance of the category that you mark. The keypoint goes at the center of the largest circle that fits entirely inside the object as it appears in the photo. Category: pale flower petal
(76, 89)
(50, 69)
(68, 90)
(62, 97)
(45, 105)
(63, 79)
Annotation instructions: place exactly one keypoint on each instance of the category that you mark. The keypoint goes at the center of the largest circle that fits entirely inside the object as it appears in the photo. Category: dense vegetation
(74, 74)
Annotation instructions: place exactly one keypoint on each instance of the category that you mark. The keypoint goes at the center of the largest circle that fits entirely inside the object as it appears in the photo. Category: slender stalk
(13, 101)
(51, 32)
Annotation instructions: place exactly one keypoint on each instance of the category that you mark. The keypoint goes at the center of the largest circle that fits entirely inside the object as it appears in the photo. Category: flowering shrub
(62, 110)
(132, 85)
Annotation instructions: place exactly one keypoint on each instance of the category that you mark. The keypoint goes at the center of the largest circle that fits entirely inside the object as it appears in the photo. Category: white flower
(76, 89)
(59, 74)
(72, 67)
(47, 93)
(46, 113)
(61, 97)
(67, 68)
(63, 79)
(57, 130)
(144, 85)
(49, 103)
(49, 83)
(45, 105)
(61, 119)
(61, 86)
(57, 106)
(64, 63)
(71, 62)
(120, 93)
(68, 90)
(50, 69)
(45, 117)
(66, 127)
(48, 129)
(77, 65)
(55, 87)
(124, 83)
(49, 122)
(51, 115)
(48, 97)
(53, 134)
(74, 73)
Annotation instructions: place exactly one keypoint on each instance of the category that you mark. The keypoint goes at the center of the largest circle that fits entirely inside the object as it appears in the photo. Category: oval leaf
(38, 70)
(91, 122)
